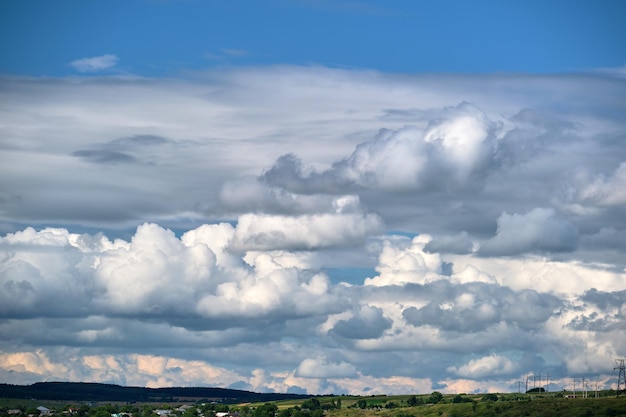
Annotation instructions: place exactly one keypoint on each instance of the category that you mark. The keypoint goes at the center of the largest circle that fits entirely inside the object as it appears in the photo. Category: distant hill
(87, 391)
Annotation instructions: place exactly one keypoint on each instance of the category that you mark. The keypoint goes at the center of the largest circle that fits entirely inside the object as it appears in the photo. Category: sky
(310, 196)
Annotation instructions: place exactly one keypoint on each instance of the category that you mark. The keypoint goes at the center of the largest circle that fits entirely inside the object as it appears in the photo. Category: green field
(474, 405)
(507, 405)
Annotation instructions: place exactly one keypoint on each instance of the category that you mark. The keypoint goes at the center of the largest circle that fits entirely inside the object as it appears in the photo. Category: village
(91, 409)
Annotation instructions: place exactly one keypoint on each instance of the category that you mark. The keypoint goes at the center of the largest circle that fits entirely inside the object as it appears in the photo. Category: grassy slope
(510, 407)
(524, 407)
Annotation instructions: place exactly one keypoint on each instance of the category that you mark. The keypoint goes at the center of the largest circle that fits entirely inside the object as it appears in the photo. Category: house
(44, 411)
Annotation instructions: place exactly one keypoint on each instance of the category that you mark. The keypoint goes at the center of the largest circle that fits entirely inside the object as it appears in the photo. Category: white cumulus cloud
(488, 366)
(267, 232)
(320, 367)
(401, 262)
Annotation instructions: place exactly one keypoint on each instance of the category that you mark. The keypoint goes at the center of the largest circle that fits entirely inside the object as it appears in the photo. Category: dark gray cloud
(604, 300)
(540, 230)
(469, 320)
(369, 323)
(475, 307)
(534, 133)
(595, 322)
(140, 140)
(120, 150)
(606, 239)
(252, 194)
(607, 315)
(103, 156)
(289, 173)
(459, 244)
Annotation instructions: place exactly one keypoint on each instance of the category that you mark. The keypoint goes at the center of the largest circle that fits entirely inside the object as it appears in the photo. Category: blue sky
(313, 196)
(168, 37)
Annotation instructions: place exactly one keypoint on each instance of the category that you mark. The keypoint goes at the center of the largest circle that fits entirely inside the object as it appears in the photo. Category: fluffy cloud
(455, 145)
(599, 191)
(160, 292)
(368, 323)
(155, 274)
(163, 270)
(539, 230)
(543, 274)
(460, 243)
(488, 366)
(470, 273)
(304, 232)
(406, 263)
(321, 368)
(475, 307)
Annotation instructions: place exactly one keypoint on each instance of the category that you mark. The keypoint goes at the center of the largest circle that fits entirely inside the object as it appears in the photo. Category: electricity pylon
(621, 377)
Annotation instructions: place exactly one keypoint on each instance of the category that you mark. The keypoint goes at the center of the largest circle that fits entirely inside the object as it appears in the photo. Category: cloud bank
(306, 228)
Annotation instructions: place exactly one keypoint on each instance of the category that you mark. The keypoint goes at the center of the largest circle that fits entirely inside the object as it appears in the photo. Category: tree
(460, 399)
(362, 404)
(435, 397)
(311, 404)
(190, 412)
(83, 411)
(245, 411)
(127, 408)
(100, 412)
(332, 405)
(414, 401)
(489, 397)
(266, 410)
(285, 412)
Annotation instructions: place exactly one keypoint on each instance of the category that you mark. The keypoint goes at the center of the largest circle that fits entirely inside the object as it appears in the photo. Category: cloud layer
(312, 229)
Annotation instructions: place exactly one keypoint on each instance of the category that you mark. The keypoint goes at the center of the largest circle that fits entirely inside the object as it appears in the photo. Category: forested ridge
(87, 391)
